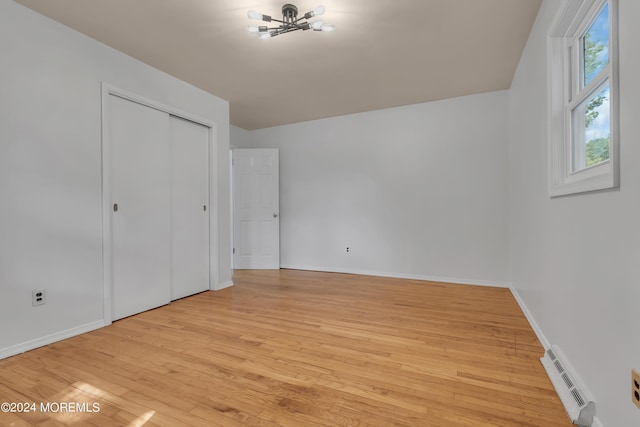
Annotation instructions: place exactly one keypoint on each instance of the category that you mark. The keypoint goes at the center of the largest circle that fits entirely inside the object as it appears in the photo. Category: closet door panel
(141, 207)
(190, 208)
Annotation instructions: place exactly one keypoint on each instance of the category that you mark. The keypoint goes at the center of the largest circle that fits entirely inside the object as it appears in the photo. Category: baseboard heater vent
(580, 407)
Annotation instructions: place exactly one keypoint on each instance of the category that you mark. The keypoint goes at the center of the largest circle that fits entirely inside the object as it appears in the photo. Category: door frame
(234, 196)
(108, 90)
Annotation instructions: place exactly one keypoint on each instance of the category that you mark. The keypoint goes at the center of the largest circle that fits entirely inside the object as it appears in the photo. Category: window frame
(566, 92)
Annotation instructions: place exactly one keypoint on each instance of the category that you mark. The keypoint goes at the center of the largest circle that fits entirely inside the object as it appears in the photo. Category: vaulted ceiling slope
(383, 54)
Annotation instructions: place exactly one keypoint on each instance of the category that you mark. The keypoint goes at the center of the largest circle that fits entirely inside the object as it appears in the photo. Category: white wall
(239, 137)
(418, 191)
(575, 260)
(50, 171)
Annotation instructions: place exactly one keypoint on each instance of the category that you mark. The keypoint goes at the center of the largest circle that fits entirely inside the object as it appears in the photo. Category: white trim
(532, 321)
(106, 208)
(134, 97)
(50, 339)
(496, 284)
(214, 214)
(231, 211)
(224, 285)
(574, 18)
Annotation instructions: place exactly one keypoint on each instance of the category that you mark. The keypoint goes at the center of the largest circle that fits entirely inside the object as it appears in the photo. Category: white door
(140, 207)
(190, 208)
(256, 209)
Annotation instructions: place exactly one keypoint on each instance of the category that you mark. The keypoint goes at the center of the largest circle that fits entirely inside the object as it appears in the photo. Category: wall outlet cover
(38, 297)
(635, 387)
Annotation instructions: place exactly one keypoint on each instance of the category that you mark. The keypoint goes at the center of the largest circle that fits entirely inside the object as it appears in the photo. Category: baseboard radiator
(579, 405)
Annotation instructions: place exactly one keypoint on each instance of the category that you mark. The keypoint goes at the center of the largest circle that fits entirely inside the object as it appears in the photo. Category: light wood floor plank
(295, 348)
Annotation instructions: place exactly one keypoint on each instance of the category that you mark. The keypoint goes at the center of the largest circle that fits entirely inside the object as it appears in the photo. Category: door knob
(275, 215)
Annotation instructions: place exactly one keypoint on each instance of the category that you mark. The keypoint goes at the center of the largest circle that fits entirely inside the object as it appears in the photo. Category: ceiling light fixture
(290, 22)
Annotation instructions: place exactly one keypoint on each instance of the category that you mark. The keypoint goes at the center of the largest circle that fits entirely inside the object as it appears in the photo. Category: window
(583, 95)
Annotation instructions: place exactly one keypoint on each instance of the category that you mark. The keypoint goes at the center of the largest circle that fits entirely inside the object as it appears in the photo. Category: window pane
(596, 46)
(591, 128)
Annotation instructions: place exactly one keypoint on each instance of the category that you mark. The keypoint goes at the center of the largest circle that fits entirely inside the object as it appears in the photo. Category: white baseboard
(49, 339)
(534, 325)
(454, 280)
(224, 285)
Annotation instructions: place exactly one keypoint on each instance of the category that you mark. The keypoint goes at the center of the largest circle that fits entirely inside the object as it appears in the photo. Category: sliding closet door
(140, 207)
(190, 208)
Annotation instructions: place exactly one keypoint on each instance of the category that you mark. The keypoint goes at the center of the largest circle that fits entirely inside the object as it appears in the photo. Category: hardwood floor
(294, 348)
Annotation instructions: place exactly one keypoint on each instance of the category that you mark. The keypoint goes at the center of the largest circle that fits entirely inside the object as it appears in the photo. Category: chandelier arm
(277, 33)
(285, 30)
(290, 26)
(296, 22)
(277, 20)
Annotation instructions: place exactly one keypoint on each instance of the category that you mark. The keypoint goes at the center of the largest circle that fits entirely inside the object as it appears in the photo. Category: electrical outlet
(38, 297)
(635, 387)
(347, 249)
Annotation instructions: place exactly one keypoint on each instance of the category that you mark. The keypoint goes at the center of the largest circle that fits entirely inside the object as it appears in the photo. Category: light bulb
(252, 29)
(252, 14)
(328, 28)
(318, 11)
(265, 35)
(317, 25)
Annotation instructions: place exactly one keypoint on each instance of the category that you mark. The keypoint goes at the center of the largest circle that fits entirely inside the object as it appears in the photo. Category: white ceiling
(383, 54)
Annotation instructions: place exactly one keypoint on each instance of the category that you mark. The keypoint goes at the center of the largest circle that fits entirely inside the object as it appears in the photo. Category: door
(256, 209)
(140, 207)
(190, 208)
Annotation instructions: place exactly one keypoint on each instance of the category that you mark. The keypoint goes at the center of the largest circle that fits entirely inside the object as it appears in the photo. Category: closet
(158, 186)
